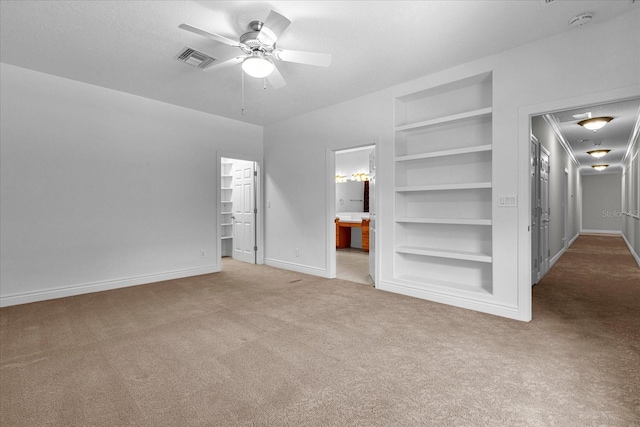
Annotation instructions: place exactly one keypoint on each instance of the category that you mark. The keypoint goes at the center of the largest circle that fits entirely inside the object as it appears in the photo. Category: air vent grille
(194, 58)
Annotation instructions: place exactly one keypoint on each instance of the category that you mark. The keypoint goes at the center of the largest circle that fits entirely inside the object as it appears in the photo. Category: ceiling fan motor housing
(250, 40)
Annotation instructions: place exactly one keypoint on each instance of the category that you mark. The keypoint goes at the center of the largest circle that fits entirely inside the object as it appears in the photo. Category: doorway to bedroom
(355, 215)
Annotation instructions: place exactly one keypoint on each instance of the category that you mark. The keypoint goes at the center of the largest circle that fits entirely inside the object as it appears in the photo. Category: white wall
(554, 71)
(102, 189)
(602, 203)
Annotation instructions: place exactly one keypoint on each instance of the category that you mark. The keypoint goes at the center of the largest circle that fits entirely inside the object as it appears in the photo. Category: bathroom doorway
(354, 194)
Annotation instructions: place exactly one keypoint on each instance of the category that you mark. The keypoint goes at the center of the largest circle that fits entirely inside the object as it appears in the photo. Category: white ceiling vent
(193, 57)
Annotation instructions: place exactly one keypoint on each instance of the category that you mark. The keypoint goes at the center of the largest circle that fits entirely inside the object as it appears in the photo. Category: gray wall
(602, 202)
(559, 160)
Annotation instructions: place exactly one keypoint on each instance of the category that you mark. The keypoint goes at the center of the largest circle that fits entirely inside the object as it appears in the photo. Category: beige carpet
(258, 346)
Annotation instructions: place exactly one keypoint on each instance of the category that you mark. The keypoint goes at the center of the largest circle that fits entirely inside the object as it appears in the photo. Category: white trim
(524, 141)
(555, 127)
(108, 285)
(556, 258)
(300, 268)
(573, 240)
(633, 253)
(511, 312)
(330, 214)
(616, 232)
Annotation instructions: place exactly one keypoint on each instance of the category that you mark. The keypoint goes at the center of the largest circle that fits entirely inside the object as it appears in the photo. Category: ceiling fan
(259, 49)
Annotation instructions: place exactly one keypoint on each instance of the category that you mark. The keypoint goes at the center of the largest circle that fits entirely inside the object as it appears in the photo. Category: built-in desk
(343, 232)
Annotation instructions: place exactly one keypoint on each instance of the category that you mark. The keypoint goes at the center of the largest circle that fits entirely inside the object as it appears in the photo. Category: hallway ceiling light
(600, 167)
(595, 123)
(598, 153)
(257, 65)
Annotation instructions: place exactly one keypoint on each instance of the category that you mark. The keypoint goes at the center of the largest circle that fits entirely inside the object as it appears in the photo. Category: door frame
(525, 113)
(258, 186)
(330, 215)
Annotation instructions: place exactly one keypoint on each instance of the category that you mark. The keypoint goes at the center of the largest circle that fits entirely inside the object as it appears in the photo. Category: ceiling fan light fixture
(600, 167)
(257, 66)
(595, 123)
(598, 153)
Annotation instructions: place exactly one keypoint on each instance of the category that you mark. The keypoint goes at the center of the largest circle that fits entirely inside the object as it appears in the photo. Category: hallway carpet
(259, 346)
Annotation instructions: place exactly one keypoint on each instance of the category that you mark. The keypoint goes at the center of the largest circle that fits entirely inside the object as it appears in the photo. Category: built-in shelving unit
(226, 204)
(443, 187)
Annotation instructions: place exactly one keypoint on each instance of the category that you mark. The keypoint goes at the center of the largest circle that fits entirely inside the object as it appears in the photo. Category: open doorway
(239, 214)
(354, 214)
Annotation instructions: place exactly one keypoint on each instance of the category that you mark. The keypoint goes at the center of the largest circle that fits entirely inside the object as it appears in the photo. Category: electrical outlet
(202, 254)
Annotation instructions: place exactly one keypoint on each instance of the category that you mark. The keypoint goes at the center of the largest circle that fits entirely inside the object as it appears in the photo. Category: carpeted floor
(258, 346)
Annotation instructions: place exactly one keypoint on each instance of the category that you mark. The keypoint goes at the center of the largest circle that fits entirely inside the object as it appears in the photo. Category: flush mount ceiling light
(598, 153)
(595, 123)
(600, 167)
(257, 65)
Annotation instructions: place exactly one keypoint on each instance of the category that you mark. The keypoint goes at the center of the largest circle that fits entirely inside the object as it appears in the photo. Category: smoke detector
(581, 19)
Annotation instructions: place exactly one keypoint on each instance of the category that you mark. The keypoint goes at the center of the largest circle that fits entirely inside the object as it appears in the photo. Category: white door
(243, 211)
(544, 211)
(372, 216)
(535, 212)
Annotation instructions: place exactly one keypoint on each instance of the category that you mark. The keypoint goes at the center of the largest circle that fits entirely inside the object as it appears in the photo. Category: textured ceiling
(130, 46)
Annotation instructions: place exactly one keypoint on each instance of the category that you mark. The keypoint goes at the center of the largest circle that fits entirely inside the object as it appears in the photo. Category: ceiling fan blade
(309, 58)
(215, 37)
(276, 79)
(272, 28)
(225, 64)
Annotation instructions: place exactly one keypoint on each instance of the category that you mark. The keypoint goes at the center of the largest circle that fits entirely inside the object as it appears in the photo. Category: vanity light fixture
(595, 123)
(598, 153)
(257, 65)
(600, 167)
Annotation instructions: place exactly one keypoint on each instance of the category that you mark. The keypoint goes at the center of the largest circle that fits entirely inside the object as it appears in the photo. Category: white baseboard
(573, 240)
(612, 232)
(300, 268)
(503, 310)
(633, 252)
(555, 259)
(67, 291)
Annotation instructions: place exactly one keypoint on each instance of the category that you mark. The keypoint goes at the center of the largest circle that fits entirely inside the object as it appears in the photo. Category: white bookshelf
(443, 187)
(226, 205)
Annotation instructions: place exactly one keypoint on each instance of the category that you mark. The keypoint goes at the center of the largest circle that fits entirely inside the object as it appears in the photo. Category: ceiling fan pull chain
(264, 83)
(242, 77)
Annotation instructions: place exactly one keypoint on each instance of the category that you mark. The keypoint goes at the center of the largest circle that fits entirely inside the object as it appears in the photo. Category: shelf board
(226, 201)
(454, 152)
(455, 221)
(226, 223)
(226, 237)
(226, 188)
(226, 213)
(447, 119)
(421, 282)
(438, 187)
(444, 253)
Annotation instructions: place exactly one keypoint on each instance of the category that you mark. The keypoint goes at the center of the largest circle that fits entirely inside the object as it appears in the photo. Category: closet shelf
(454, 221)
(226, 201)
(443, 253)
(226, 237)
(438, 187)
(226, 213)
(226, 223)
(226, 188)
(226, 175)
(454, 152)
(447, 119)
(421, 282)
